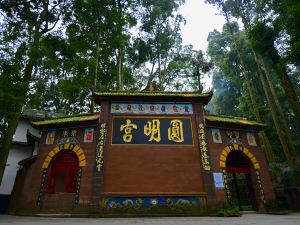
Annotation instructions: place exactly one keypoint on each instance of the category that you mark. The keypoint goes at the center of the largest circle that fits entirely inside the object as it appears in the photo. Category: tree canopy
(55, 53)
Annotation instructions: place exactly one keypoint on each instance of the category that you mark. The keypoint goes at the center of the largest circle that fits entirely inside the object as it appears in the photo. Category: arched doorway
(240, 183)
(56, 163)
(63, 173)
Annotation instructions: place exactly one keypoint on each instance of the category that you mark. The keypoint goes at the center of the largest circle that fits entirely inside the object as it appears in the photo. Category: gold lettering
(152, 128)
(74, 133)
(65, 133)
(175, 132)
(127, 137)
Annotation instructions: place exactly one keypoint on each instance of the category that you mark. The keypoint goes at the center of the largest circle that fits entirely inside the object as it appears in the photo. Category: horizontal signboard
(152, 108)
(152, 130)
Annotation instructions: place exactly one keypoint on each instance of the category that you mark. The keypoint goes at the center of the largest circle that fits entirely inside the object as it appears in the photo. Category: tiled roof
(153, 93)
(235, 120)
(69, 119)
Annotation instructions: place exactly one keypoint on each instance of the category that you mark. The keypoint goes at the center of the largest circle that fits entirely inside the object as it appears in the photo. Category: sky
(200, 19)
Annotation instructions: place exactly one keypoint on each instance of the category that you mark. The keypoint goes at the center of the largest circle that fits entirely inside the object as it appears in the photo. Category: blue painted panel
(154, 205)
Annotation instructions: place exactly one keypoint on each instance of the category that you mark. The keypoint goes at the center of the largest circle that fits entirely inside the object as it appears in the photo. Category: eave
(158, 96)
(238, 122)
(76, 121)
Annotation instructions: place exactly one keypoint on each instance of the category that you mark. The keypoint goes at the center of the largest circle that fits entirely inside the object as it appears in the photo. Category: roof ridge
(70, 116)
(225, 116)
(69, 119)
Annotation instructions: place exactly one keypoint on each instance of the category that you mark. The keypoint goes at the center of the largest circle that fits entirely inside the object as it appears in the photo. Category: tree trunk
(13, 123)
(94, 87)
(280, 69)
(266, 143)
(151, 75)
(288, 88)
(270, 98)
(119, 83)
(281, 113)
(158, 53)
(159, 72)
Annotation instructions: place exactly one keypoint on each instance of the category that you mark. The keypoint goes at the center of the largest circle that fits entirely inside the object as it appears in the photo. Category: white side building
(24, 145)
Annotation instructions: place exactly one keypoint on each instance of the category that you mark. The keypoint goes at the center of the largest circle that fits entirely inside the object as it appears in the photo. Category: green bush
(228, 211)
(276, 207)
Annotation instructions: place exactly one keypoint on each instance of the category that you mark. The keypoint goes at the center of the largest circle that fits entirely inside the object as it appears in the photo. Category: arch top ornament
(67, 146)
(238, 147)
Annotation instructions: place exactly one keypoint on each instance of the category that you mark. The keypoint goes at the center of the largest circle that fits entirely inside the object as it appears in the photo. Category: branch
(3, 6)
(46, 29)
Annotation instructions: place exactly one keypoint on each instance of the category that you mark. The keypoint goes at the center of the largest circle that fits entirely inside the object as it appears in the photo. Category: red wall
(152, 170)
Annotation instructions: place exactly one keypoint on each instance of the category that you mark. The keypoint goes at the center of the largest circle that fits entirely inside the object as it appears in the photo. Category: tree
(253, 14)
(25, 25)
(159, 32)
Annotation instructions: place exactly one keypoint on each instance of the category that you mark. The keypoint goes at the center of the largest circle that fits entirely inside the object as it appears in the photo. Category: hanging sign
(152, 130)
(152, 108)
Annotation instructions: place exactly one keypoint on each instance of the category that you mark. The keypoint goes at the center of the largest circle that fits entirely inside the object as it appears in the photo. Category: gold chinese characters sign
(203, 147)
(152, 130)
(101, 146)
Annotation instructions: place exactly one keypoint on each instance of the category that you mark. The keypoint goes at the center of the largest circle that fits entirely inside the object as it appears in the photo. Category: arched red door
(62, 173)
(240, 182)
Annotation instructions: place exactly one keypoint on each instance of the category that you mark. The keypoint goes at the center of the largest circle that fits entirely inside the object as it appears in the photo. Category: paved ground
(247, 219)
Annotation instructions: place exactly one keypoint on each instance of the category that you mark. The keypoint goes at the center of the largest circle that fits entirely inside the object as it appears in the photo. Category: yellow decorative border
(67, 146)
(236, 147)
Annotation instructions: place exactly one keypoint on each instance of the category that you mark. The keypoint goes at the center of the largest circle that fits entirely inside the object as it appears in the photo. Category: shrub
(276, 207)
(228, 211)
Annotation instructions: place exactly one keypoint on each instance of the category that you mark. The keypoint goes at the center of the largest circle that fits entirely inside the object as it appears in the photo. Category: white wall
(21, 131)
(16, 154)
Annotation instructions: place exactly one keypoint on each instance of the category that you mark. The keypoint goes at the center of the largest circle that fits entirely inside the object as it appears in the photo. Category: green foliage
(232, 96)
(287, 21)
(228, 211)
(276, 206)
(262, 38)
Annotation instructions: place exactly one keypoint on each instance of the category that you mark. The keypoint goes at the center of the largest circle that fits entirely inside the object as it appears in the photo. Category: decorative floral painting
(88, 135)
(216, 135)
(251, 139)
(50, 137)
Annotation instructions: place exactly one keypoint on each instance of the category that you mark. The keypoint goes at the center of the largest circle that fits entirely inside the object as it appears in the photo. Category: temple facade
(145, 153)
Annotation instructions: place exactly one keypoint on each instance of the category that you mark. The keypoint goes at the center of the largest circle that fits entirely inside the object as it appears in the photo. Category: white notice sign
(218, 178)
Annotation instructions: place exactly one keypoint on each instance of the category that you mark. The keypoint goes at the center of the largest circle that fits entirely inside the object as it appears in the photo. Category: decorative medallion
(216, 135)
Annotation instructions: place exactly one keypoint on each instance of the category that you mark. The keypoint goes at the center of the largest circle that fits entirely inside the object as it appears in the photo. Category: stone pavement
(246, 219)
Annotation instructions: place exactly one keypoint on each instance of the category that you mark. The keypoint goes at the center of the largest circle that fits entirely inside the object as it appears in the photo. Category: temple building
(145, 153)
